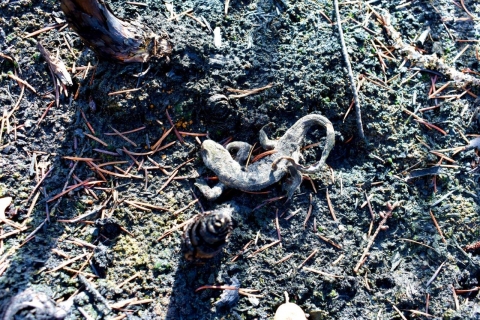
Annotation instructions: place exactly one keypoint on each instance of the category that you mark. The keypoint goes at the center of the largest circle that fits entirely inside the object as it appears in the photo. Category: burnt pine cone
(207, 234)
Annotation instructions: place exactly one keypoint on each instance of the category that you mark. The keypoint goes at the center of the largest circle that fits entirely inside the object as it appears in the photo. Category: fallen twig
(385, 216)
(358, 112)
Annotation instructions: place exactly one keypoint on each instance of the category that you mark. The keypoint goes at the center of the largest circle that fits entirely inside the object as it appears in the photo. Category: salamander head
(214, 154)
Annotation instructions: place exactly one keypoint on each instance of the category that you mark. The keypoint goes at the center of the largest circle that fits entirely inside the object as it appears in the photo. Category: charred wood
(111, 38)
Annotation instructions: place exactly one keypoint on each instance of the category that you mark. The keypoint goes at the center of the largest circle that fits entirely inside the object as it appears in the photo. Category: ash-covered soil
(411, 268)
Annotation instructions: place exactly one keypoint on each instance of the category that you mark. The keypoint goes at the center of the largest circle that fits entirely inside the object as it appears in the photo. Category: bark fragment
(110, 37)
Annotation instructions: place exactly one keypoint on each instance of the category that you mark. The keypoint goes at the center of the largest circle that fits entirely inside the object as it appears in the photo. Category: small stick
(78, 159)
(14, 77)
(84, 313)
(291, 214)
(45, 113)
(314, 252)
(124, 91)
(467, 290)
(147, 205)
(331, 242)
(86, 274)
(86, 122)
(338, 260)
(386, 215)
(95, 210)
(30, 209)
(28, 35)
(75, 186)
(277, 225)
(262, 155)
(428, 108)
(168, 145)
(93, 291)
(93, 74)
(175, 17)
(137, 4)
(330, 207)
(466, 10)
(439, 90)
(80, 242)
(87, 261)
(130, 302)
(128, 280)
(110, 153)
(305, 177)
(38, 184)
(435, 274)
(125, 132)
(455, 298)
(242, 251)
(369, 206)
(399, 312)
(309, 212)
(174, 173)
(191, 203)
(265, 247)
(265, 202)
(246, 93)
(196, 19)
(96, 139)
(437, 226)
(249, 155)
(100, 171)
(69, 48)
(322, 273)
(350, 73)
(428, 124)
(138, 206)
(227, 2)
(123, 137)
(169, 232)
(17, 105)
(413, 241)
(283, 259)
(179, 137)
(66, 263)
(361, 25)
(427, 303)
(127, 232)
(193, 134)
(459, 55)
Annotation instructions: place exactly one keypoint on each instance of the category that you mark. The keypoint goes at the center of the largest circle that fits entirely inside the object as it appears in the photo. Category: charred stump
(110, 37)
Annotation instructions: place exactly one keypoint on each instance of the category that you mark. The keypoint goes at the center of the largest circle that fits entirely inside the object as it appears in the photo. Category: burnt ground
(292, 45)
